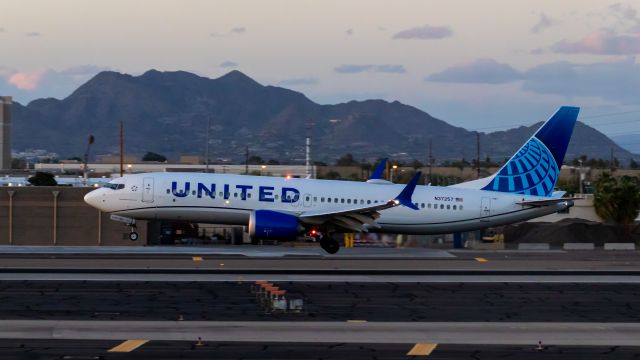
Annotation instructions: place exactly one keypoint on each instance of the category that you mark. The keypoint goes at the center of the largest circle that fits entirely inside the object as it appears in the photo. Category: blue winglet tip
(405, 195)
(379, 170)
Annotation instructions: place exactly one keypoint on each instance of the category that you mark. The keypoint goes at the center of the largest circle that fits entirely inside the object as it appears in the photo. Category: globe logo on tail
(532, 171)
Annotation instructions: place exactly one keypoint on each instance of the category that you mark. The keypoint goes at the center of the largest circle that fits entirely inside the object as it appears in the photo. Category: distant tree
(273, 162)
(43, 179)
(319, 163)
(346, 160)
(332, 175)
(416, 164)
(617, 200)
(18, 163)
(255, 160)
(633, 164)
(151, 156)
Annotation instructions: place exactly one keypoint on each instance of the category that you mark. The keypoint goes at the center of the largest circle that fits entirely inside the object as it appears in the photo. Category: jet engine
(267, 224)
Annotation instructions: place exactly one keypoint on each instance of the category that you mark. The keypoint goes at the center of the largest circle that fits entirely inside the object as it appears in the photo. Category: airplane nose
(93, 198)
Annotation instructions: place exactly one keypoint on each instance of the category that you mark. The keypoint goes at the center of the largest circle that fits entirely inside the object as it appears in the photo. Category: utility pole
(478, 153)
(246, 160)
(611, 166)
(430, 161)
(308, 171)
(86, 160)
(121, 149)
(206, 151)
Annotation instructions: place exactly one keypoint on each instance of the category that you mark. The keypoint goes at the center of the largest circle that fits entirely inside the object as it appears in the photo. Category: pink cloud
(602, 42)
(26, 80)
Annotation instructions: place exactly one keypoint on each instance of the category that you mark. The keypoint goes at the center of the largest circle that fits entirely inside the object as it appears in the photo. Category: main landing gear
(329, 244)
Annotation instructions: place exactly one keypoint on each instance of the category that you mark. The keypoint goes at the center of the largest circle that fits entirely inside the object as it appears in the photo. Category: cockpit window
(113, 186)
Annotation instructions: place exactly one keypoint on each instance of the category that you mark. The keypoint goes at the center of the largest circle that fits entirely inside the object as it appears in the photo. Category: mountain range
(168, 113)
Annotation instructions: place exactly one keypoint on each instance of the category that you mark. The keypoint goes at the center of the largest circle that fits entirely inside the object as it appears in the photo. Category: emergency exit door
(147, 190)
(485, 209)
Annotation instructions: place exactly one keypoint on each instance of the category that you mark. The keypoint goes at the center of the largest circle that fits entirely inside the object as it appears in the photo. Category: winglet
(404, 198)
(379, 170)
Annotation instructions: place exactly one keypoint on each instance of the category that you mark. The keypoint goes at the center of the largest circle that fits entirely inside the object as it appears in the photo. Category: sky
(484, 65)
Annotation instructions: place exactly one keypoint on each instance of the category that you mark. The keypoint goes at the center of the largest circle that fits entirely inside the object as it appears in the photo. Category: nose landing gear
(133, 235)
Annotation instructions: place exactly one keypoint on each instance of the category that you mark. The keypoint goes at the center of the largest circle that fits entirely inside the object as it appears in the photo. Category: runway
(323, 301)
(361, 305)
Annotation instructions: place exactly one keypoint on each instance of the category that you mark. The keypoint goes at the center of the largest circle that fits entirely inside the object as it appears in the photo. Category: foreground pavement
(512, 333)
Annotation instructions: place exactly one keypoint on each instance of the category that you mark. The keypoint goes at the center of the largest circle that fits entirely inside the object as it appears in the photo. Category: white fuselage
(229, 199)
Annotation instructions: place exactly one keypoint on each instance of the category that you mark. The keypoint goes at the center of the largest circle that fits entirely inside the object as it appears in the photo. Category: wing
(361, 218)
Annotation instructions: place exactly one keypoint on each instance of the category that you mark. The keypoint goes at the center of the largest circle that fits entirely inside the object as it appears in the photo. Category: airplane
(283, 208)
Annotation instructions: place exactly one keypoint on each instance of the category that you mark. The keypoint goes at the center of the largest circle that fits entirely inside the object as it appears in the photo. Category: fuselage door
(147, 190)
(485, 209)
(306, 200)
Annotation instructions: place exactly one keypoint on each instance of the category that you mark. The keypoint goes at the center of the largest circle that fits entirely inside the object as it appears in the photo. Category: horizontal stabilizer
(547, 202)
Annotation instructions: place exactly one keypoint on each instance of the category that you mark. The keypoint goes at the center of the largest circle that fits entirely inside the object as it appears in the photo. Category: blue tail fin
(378, 172)
(535, 168)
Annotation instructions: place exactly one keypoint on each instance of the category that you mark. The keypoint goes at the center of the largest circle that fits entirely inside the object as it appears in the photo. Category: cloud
(424, 32)
(615, 81)
(624, 11)
(601, 42)
(349, 32)
(354, 69)
(298, 81)
(232, 31)
(26, 80)
(2, 30)
(543, 22)
(33, 34)
(238, 30)
(26, 85)
(482, 71)
(228, 64)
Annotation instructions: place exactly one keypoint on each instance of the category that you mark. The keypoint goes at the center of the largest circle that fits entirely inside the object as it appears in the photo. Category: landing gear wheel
(133, 236)
(329, 245)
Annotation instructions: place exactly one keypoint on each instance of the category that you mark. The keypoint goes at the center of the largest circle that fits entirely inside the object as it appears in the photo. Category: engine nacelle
(267, 224)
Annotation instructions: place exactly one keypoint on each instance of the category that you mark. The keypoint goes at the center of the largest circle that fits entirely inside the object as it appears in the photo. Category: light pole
(394, 171)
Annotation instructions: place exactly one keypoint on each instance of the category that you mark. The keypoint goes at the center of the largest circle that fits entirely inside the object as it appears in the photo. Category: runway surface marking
(197, 258)
(422, 349)
(128, 346)
(480, 259)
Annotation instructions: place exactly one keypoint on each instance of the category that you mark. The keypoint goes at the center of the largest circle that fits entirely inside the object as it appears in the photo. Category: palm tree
(617, 200)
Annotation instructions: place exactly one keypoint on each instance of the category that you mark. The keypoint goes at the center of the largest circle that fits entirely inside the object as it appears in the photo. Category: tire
(133, 236)
(330, 245)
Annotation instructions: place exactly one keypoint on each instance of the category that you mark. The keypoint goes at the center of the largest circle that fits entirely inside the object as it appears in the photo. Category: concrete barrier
(578, 246)
(619, 246)
(533, 246)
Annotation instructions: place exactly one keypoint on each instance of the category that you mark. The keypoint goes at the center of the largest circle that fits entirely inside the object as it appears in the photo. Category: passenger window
(342, 201)
(422, 205)
(441, 206)
(348, 201)
(448, 207)
(322, 199)
(168, 191)
(276, 197)
(193, 192)
(315, 199)
(368, 201)
(428, 205)
(249, 195)
(235, 195)
(361, 202)
(454, 207)
(460, 207)
(307, 198)
(220, 193)
(335, 200)
(375, 201)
